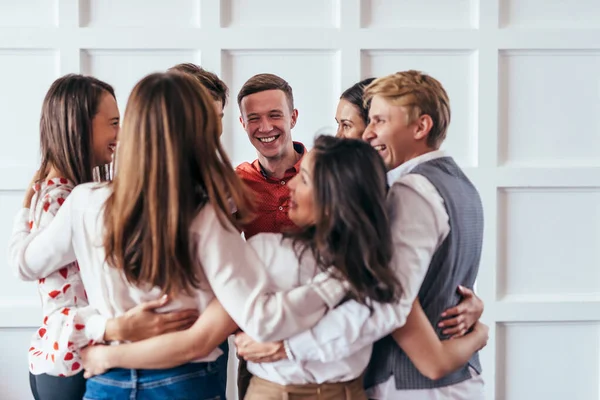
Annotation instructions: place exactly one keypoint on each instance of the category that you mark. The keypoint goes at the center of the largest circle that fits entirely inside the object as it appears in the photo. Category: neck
(276, 167)
(419, 152)
(53, 173)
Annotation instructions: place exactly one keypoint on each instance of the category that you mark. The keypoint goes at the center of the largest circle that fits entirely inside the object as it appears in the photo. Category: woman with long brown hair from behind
(78, 131)
(164, 225)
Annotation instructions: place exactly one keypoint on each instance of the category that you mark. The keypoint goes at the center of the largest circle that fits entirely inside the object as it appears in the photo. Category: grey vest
(454, 263)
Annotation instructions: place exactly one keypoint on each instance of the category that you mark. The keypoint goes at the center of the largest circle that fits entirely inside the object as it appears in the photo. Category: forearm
(431, 356)
(177, 348)
(347, 329)
(36, 255)
(165, 351)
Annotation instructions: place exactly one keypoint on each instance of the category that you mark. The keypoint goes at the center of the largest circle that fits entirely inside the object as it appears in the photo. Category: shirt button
(283, 182)
(280, 208)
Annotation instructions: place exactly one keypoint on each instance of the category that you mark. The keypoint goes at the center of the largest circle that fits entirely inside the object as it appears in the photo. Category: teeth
(379, 147)
(267, 139)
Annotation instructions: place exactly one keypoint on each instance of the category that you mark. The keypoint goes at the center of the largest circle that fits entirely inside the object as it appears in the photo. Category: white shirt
(290, 272)
(231, 268)
(419, 224)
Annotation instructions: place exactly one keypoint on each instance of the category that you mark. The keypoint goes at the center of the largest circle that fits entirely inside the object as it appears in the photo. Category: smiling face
(268, 121)
(105, 129)
(390, 132)
(349, 120)
(302, 210)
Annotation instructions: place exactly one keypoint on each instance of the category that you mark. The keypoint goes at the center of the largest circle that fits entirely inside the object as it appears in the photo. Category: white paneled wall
(524, 82)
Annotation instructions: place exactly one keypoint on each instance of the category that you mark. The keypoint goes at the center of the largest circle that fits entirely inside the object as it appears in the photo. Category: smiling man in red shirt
(268, 115)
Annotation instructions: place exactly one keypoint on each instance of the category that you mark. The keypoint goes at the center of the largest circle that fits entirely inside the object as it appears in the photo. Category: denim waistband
(151, 378)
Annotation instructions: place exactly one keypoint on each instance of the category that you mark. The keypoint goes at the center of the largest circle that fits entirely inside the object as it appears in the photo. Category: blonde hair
(171, 164)
(421, 95)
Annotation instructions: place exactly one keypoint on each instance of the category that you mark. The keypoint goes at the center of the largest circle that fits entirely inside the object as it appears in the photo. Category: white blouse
(232, 270)
(290, 272)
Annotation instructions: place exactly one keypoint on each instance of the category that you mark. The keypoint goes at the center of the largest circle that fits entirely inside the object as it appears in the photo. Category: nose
(265, 125)
(292, 183)
(368, 134)
(339, 133)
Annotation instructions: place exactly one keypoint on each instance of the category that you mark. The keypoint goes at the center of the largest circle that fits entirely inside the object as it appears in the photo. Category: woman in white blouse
(79, 124)
(338, 200)
(164, 226)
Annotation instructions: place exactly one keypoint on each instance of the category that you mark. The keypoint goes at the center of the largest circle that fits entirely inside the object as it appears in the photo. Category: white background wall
(524, 82)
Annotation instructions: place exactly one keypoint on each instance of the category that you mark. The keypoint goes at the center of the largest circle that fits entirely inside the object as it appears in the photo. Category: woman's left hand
(253, 351)
(95, 360)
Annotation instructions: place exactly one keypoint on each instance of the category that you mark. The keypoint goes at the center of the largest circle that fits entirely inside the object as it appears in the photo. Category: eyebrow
(268, 112)
(304, 170)
(113, 118)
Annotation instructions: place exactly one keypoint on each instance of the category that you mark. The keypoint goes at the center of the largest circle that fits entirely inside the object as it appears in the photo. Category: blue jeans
(193, 381)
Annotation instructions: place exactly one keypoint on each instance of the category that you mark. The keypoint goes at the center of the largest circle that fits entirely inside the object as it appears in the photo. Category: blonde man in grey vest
(437, 224)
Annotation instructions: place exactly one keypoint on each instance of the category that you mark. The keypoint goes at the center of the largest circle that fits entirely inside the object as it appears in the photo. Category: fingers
(454, 311)
(458, 330)
(465, 292)
(242, 340)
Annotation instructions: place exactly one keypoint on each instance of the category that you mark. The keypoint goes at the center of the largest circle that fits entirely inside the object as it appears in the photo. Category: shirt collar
(405, 169)
(298, 148)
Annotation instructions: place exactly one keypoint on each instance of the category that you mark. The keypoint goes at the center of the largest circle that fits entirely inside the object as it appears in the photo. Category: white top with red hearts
(64, 302)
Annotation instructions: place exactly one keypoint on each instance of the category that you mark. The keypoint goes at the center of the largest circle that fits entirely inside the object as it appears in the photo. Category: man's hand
(143, 322)
(257, 352)
(458, 320)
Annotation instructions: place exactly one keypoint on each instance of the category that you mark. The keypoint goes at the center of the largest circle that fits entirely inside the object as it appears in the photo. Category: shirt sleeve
(84, 326)
(240, 280)
(35, 255)
(417, 222)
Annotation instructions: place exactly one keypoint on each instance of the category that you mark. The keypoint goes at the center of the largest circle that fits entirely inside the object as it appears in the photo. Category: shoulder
(90, 195)
(273, 248)
(244, 168)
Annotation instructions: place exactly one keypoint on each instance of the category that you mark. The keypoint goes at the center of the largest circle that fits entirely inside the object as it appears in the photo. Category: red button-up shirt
(272, 196)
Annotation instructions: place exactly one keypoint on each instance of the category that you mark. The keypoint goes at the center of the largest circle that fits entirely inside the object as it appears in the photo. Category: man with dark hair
(211, 82)
(219, 92)
(268, 115)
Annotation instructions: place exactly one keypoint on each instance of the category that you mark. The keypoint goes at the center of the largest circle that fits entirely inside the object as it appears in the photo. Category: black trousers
(48, 387)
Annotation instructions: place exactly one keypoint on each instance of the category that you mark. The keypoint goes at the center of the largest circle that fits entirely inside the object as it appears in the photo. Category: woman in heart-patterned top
(78, 131)
(60, 292)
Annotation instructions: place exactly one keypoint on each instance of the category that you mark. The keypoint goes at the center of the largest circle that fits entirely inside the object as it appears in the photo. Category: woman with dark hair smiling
(352, 114)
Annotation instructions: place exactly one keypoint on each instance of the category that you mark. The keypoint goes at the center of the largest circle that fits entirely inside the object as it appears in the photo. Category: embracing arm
(36, 255)
(164, 351)
(349, 327)
(433, 357)
(239, 279)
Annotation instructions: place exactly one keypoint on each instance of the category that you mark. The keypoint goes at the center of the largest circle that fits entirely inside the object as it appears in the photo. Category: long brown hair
(352, 232)
(169, 164)
(66, 128)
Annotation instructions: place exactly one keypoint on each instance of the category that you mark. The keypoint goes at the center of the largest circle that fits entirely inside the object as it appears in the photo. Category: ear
(242, 122)
(294, 117)
(423, 126)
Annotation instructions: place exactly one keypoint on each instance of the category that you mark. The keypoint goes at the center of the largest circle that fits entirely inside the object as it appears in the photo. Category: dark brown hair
(171, 164)
(261, 82)
(215, 86)
(352, 232)
(354, 95)
(66, 128)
